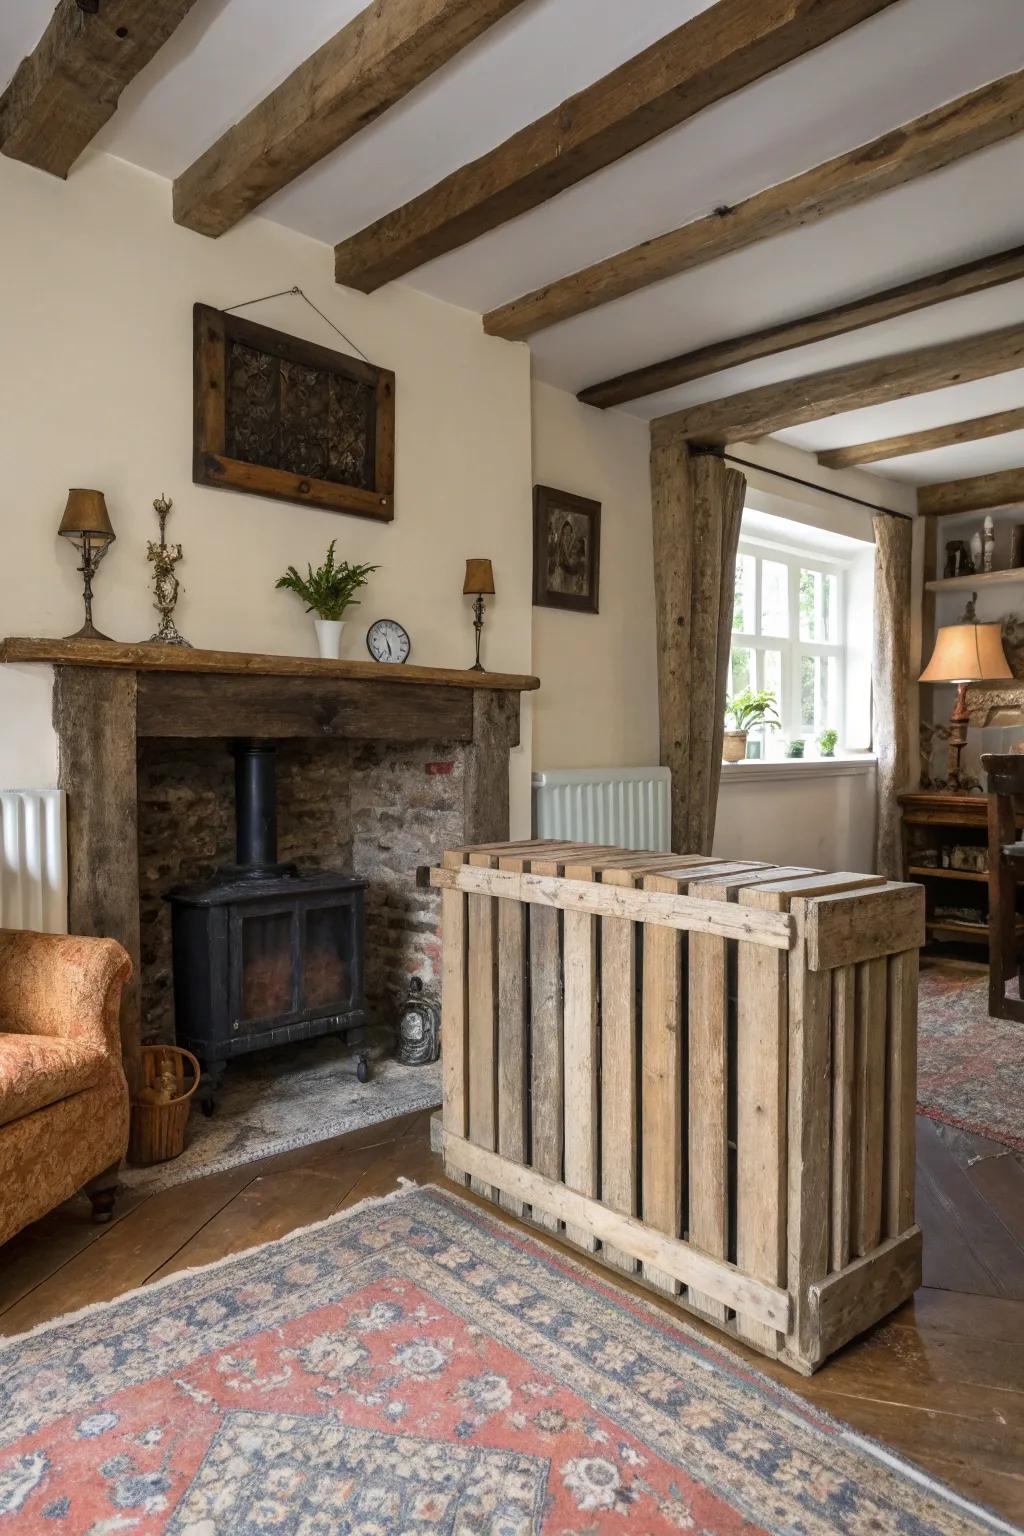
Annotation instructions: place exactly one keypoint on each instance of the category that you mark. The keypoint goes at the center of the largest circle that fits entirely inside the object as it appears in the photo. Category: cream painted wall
(598, 707)
(819, 820)
(96, 390)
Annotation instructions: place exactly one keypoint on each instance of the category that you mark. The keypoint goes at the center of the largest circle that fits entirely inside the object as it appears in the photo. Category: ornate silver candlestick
(165, 584)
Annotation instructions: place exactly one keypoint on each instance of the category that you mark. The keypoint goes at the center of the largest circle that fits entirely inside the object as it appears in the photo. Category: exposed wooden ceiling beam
(790, 403)
(979, 494)
(349, 82)
(972, 277)
(926, 144)
(725, 47)
(995, 425)
(69, 85)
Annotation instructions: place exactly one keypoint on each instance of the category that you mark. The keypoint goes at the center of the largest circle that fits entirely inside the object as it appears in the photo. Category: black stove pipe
(255, 806)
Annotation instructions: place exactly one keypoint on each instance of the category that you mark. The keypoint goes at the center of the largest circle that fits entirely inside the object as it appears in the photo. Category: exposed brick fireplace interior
(376, 809)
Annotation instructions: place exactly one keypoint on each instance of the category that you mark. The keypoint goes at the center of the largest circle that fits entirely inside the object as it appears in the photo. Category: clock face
(386, 640)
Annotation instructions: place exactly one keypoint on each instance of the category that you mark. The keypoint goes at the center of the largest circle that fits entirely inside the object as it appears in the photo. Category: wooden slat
(863, 924)
(791, 402)
(720, 50)
(69, 85)
(579, 971)
(939, 138)
(482, 927)
(620, 1146)
(454, 1008)
(547, 1069)
(843, 1145)
(901, 1093)
(662, 1129)
(358, 74)
(994, 425)
(513, 1034)
(847, 1303)
(1005, 488)
(904, 299)
(870, 999)
(762, 1007)
(825, 885)
(689, 914)
(687, 1266)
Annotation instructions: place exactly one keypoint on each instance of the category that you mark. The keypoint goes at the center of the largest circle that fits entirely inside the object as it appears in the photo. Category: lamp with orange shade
(86, 523)
(478, 583)
(965, 653)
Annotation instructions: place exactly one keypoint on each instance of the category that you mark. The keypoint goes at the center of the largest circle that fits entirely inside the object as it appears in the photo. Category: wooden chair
(1005, 773)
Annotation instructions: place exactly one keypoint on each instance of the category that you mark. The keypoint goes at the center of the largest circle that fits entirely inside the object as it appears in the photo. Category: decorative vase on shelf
(977, 551)
(328, 637)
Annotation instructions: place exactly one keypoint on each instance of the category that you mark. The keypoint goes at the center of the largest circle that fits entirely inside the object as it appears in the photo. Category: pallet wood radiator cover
(702, 1072)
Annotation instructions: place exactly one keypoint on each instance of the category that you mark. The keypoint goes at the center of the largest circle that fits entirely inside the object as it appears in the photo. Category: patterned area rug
(970, 1070)
(413, 1366)
(290, 1097)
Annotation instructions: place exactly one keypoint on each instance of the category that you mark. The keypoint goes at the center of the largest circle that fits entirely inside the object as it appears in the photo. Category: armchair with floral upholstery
(63, 1094)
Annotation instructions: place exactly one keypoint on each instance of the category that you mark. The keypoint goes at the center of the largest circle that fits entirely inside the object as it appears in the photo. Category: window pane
(770, 677)
(774, 598)
(808, 692)
(819, 693)
(819, 606)
(743, 602)
(741, 670)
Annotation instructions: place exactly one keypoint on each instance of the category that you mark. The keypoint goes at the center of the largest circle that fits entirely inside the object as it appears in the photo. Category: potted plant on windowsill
(329, 592)
(747, 710)
(827, 742)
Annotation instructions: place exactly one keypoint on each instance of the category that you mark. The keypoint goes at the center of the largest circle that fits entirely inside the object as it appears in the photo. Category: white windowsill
(752, 771)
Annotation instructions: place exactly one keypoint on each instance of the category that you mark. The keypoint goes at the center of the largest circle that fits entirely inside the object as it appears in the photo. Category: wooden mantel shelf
(175, 658)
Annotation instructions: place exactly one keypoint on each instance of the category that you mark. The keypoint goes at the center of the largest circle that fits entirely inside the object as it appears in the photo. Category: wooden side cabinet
(935, 824)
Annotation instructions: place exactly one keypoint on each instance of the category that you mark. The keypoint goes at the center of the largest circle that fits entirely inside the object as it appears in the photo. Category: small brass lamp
(965, 653)
(478, 583)
(87, 524)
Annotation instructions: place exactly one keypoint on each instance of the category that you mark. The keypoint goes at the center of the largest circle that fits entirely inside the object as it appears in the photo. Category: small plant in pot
(747, 710)
(329, 592)
(827, 742)
(796, 747)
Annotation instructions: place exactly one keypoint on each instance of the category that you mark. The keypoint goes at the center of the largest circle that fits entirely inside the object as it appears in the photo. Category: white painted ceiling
(918, 54)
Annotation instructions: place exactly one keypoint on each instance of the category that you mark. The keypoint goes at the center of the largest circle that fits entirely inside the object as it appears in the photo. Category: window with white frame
(789, 636)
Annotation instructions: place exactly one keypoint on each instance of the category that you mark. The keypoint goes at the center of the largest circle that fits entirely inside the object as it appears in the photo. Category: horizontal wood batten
(850, 1301)
(922, 292)
(771, 407)
(715, 1277)
(853, 926)
(995, 425)
(173, 658)
(686, 913)
(1005, 488)
(725, 47)
(939, 138)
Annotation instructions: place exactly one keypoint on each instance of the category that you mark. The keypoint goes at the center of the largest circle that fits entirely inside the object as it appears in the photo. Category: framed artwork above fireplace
(277, 416)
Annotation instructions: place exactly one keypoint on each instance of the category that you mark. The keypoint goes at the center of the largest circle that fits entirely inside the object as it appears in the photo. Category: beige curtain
(890, 684)
(697, 507)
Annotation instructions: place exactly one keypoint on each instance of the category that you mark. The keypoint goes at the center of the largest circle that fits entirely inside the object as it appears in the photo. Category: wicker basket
(158, 1130)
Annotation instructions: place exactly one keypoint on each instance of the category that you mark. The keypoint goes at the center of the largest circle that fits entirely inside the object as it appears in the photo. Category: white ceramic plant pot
(328, 637)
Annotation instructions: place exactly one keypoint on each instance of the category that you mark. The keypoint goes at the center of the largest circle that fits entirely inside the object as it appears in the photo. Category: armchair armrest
(63, 986)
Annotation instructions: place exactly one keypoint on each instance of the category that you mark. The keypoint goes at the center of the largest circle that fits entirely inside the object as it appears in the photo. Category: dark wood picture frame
(547, 505)
(213, 333)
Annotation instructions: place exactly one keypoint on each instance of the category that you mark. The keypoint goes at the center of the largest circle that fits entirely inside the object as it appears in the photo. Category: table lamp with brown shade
(965, 653)
(479, 583)
(86, 523)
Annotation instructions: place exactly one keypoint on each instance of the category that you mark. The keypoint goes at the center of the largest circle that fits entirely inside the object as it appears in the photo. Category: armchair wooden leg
(103, 1192)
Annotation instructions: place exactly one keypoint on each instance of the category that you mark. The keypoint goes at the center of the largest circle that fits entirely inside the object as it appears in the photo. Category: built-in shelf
(923, 870)
(979, 579)
(975, 932)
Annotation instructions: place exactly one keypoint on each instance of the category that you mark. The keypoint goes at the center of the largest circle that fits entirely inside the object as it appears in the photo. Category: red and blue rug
(970, 1066)
(413, 1366)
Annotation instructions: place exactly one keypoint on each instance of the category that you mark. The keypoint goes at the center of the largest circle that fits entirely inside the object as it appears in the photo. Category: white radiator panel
(623, 807)
(33, 860)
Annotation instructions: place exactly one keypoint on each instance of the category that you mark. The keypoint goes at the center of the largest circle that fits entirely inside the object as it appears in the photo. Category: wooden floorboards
(940, 1382)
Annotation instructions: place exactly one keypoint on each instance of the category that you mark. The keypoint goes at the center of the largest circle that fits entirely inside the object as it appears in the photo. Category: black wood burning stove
(263, 955)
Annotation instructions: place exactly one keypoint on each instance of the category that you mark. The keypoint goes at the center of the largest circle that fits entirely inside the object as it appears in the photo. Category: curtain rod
(780, 474)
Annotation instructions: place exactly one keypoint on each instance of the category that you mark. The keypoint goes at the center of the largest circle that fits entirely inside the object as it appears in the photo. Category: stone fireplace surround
(380, 768)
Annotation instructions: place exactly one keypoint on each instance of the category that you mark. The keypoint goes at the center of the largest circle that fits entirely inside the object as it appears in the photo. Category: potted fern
(329, 592)
(747, 710)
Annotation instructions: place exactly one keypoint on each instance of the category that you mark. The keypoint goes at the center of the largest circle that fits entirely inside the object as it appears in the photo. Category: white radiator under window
(33, 860)
(623, 807)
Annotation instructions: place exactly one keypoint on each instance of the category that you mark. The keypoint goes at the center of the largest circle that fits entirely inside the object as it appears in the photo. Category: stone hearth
(381, 768)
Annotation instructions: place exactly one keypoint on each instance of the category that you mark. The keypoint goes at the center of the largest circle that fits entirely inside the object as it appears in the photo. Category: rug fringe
(66, 1319)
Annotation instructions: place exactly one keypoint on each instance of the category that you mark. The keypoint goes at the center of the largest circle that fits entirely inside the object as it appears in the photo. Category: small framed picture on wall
(566, 550)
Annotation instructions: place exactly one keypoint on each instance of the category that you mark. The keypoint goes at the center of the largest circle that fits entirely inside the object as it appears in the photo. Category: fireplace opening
(263, 955)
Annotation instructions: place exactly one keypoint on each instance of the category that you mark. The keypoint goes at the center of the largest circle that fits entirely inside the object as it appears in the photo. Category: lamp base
(89, 631)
